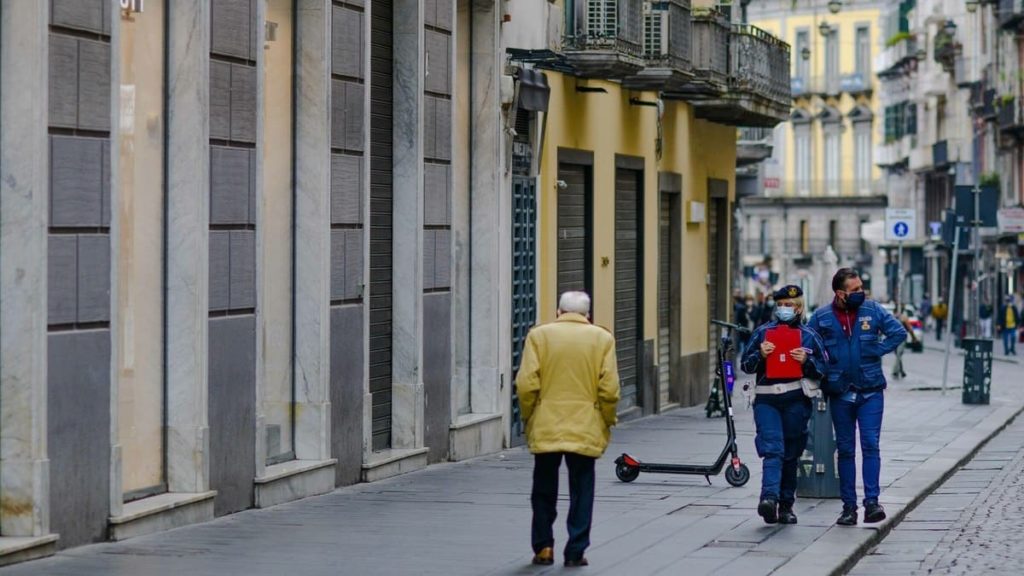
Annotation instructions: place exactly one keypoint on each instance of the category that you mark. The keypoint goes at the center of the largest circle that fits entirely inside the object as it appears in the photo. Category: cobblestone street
(973, 524)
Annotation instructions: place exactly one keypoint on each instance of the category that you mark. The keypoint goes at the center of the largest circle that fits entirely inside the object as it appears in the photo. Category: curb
(931, 474)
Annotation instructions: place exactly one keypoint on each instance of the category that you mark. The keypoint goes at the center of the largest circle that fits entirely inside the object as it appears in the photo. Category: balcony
(711, 49)
(1010, 14)
(829, 188)
(753, 145)
(964, 73)
(896, 59)
(830, 85)
(1009, 118)
(934, 82)
(983, 100)
(604, 38)
(922, 158)
(758, 90)
(856, 83)
(845, 248)
(667, 47)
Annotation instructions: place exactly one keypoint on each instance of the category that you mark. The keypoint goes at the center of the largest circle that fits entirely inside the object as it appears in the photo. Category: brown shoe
(545, 557)
(579, 562)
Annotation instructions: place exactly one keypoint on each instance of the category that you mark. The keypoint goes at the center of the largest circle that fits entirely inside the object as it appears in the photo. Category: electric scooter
(627, 468)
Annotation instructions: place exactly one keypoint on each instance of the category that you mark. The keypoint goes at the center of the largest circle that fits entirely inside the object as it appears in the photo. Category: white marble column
(312, 370)
(24, 185)
(486, 219)
(188, 217)
(407, 301)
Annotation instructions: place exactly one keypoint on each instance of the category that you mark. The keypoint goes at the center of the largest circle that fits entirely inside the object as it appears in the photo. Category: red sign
(771, 182)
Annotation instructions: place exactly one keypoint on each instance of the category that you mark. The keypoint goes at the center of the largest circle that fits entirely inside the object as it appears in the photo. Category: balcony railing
(828, 188)
(604, 38)
(667, 46)
(711, 47)
(759, 63)
(983, 100)
(811, 247)
(895, 59)
(1009, 118)
(1010, 14)
(856, 83)
(940, 153)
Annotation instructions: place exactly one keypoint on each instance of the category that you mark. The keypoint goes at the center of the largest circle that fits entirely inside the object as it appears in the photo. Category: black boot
(786, 515)
(768, 509)
(848, 517)
(873, 512)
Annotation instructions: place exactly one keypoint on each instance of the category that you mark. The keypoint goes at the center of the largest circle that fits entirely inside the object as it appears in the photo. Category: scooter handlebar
(731, 326)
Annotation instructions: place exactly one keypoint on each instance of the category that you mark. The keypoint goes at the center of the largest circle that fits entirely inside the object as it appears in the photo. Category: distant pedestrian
(939, 312)
(741, 317)
(1009, 322)
(568, 389)
(926, 312)
(857, 332)
(898, 372)
(985, 318)
(781, 406)
(756, 310)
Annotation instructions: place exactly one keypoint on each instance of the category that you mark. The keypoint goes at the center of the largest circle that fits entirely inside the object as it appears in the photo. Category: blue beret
(789, 291)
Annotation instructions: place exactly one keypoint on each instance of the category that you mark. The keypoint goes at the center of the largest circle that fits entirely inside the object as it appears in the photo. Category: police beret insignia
(788, 291)
(792, 292)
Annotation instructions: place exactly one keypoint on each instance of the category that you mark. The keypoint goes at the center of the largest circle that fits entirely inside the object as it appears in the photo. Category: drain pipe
(469, 211)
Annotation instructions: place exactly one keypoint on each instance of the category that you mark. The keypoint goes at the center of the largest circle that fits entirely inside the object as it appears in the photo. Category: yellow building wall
(847, 21)
(606, 124)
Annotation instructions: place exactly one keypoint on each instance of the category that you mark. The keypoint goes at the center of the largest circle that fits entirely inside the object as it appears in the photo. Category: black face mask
(855, 299)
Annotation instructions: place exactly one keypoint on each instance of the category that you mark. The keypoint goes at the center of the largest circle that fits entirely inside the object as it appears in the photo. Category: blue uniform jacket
(814, 367)
(855, 361)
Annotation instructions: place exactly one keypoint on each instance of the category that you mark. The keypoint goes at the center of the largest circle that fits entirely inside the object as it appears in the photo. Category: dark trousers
(863, 416)
(781, 439)
(544, 499)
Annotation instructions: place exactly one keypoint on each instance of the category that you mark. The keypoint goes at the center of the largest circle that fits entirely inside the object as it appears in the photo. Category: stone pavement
(473, 517)
(972, 524)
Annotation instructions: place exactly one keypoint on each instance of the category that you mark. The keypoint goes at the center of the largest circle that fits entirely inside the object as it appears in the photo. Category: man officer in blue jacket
(857, 333)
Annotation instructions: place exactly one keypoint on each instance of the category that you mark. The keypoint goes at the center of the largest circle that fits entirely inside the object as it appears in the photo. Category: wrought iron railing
(759, 63)
(604, 25)
(824, 188)
(1010, 13)
(667, 34)
(710, 44)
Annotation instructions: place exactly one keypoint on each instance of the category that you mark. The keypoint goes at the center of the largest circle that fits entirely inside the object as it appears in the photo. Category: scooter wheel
(737, 477)
(625, 472)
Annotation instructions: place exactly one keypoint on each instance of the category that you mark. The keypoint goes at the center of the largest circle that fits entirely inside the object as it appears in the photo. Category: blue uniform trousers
(781, 423)
(848, 416)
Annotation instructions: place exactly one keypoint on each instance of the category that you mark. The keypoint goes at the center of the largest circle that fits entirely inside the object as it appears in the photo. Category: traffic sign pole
(949, 304)
(899, 278)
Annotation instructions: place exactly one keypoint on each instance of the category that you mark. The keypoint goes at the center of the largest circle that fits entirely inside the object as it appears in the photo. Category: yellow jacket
(568, 387)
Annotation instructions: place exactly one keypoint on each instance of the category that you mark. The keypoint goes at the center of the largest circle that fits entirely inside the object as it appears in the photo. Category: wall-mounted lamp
(824, 28)
(921, 54)
(972, 6)
(949, 27)
(834, 6)
(805, 53)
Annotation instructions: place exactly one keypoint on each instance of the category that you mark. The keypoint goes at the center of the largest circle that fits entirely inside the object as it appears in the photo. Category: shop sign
(1011, 220)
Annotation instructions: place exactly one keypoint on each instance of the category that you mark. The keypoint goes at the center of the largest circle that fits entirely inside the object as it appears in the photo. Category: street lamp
(805, 53)
(834, 6)
(972, 5)
(824, 28)
(950, 27)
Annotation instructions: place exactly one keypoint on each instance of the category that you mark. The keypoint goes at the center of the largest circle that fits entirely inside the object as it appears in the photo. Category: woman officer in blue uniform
(782, 407)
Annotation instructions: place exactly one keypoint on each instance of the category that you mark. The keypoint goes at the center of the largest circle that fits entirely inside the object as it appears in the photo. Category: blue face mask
(855, 299)
(785, 314)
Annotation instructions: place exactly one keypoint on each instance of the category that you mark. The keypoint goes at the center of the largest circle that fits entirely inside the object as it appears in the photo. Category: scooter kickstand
(708, 478)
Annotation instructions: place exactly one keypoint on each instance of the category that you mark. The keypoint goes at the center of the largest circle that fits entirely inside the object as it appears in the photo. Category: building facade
(950, 78)
(253, 250)
(819, 187)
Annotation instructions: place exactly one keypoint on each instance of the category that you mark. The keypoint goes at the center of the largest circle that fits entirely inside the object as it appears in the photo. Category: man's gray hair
(574, 302)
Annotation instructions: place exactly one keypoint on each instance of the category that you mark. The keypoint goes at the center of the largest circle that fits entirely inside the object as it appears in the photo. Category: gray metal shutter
(627, 282)
(573, 230)
(665, 257)
(381, 208)
(717, 255)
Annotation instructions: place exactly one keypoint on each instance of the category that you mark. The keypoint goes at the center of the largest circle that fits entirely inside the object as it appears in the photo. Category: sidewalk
(473, 517)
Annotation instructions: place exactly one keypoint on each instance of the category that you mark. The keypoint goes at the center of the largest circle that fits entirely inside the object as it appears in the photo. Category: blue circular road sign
(900, 229)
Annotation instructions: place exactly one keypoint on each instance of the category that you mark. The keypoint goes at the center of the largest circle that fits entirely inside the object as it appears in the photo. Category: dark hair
(841, 276)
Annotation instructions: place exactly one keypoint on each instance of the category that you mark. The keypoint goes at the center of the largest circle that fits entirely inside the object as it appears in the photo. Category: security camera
(561, 184)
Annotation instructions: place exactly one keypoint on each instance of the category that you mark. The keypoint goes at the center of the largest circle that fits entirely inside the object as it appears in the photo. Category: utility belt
(810, 388)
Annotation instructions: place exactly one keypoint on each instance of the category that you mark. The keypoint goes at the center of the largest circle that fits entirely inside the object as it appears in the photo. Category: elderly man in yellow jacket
(568, 387)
